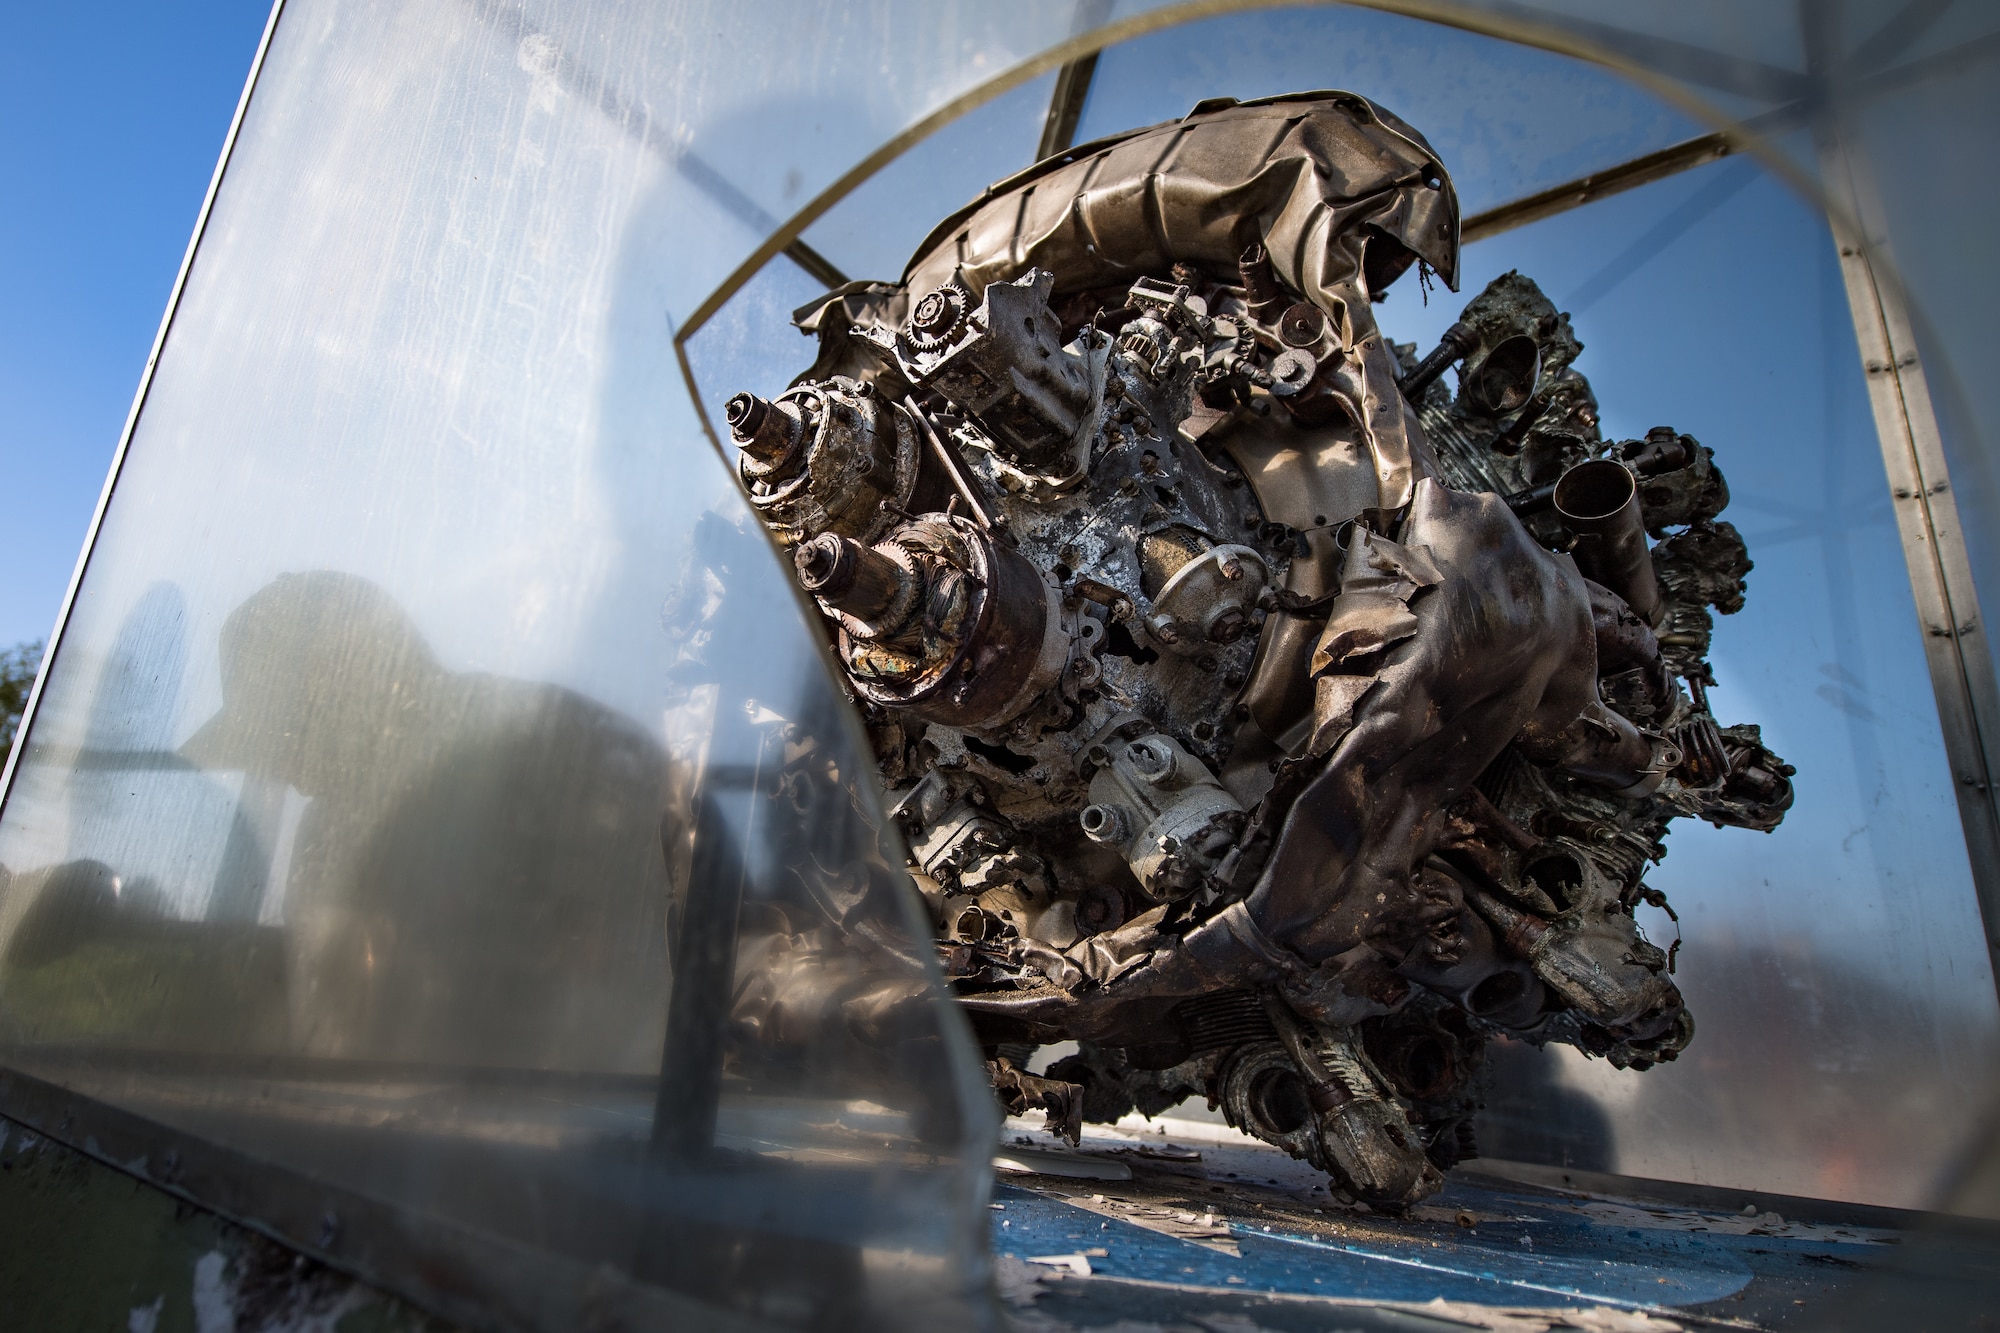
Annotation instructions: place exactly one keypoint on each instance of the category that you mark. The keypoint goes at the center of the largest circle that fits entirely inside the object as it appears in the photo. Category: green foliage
(160, 984)
(84, 1246)
(18, 666)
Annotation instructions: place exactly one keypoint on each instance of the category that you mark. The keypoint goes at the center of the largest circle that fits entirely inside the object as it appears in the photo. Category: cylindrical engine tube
(981, 664)
(765, 430)
(1260, 284)
(1458, 340)
(1599, 502)
(850, 578)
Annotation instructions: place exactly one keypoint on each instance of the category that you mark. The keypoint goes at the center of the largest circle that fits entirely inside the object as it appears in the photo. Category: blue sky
(114, 114)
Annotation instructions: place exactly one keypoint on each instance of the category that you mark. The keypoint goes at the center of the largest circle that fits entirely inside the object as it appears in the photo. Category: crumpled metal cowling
(1252, 704)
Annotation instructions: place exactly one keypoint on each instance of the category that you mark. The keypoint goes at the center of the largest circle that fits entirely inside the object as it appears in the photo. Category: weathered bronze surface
(1259, 713)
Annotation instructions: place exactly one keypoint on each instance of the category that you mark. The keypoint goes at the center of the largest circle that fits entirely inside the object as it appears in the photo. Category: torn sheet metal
(1263, 714)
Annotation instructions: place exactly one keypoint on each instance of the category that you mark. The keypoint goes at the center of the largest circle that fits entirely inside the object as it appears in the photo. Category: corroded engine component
(829, 457)
(1005, 363)
(939, 620)
(1259, 713)
(1160, 807)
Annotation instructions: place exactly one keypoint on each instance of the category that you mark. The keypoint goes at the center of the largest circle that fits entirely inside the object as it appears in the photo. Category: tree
(18, 666)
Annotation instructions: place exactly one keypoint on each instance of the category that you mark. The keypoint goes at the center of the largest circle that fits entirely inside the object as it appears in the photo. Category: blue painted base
(1244, 1222)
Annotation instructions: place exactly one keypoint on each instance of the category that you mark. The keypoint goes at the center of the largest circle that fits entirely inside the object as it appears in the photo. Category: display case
(433, 750)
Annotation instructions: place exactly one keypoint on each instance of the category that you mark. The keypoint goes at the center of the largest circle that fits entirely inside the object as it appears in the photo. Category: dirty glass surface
(1837, 968)
(436, 794)
(1904, 91)
(1509, 119)
(429, 712)
(1911, 144)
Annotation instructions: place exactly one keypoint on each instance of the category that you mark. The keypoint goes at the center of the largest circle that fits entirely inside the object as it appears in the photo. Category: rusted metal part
(940, 621)
(1257, 711)
(830, 457)
(1002, 360)
(1021, 1092)
(1599, 502)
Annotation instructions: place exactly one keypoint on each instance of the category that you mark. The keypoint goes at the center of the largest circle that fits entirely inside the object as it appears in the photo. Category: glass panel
(1913, 145)
(1836, 968)
(1910, 88)
(874, 231)
(424, 610)
(436, 793)
(1508, 120)
(1886, 966)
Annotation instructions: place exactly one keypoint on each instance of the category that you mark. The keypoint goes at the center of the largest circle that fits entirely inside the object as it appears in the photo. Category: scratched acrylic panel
(1507, 119)
(1906, 90)
(436, 793)
(1836, 969)
(1908, 140)
(429, 694)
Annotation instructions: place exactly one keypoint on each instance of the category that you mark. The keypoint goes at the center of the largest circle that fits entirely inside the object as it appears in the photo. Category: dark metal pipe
(761, 428)
(1599, 502)
(1504, 381)
(1520, 931)
(1663, 450)
(1260, 284)
(853, 579)
(1534, 500)
(1509, 441)
(1458, 340)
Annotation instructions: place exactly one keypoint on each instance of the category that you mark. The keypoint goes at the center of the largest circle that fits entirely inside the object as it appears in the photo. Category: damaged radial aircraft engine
(1258, 713)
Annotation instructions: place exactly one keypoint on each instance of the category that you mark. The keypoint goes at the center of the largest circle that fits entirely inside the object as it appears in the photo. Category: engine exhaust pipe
(1599, 502)
(1455, 346)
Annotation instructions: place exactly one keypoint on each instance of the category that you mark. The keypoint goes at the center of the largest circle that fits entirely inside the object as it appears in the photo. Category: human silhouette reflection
(477, 877)
(203, 851)
(144, 934)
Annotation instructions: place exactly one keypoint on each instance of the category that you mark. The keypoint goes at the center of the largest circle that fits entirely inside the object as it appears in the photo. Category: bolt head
(1301, 325)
